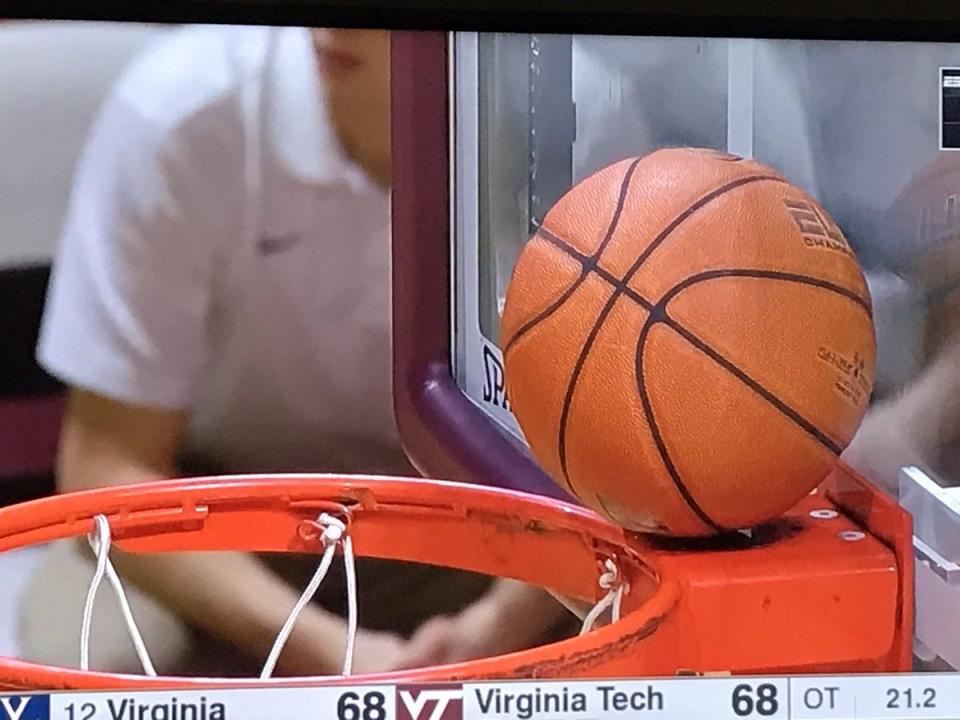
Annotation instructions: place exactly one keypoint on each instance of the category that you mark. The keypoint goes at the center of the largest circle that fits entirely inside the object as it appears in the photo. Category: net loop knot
(612, 581)
(317, 530)
(331, 532)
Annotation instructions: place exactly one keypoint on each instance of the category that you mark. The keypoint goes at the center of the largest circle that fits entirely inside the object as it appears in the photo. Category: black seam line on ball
(792, 414)
(588, 264)
(597, 268)
(766, 275)
(651, 419)
(618, 292)
(822, 437)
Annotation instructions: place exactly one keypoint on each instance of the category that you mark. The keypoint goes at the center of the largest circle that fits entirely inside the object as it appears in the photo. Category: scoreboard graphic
(847, 697)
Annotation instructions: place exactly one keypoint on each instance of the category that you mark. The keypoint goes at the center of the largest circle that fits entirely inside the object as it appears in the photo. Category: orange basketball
(688, 342)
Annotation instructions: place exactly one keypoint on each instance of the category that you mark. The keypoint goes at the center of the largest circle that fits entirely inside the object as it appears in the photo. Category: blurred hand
(884, 444)
(443, 640)
(314, 655)
(376, 652)
(509, 618)
(919, 426)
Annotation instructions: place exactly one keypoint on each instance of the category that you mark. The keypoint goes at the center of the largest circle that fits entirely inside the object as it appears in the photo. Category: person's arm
(156, 218)
(511, 616)
(232, 595)
(917, 424)
(929, 409)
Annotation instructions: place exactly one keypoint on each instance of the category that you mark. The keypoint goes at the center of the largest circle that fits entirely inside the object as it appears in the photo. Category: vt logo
(429, 702)
(24, 707)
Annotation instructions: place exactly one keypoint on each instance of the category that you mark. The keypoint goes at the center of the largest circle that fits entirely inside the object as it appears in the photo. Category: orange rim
(496, 532)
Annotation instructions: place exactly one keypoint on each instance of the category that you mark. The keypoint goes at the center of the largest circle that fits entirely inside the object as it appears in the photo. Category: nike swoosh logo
(274, 245)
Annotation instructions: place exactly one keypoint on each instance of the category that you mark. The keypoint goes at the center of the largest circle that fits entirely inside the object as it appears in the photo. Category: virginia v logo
(429, 702)
(24, 707)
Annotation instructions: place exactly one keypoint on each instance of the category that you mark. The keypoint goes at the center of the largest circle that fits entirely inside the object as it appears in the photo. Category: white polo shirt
(222, 255)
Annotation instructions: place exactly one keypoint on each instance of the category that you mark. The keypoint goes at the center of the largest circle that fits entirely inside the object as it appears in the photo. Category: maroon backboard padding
(443, 432)
(29, 433)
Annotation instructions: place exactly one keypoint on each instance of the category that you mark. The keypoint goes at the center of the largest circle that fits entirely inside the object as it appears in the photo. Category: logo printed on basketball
(430, 702)
(853, 382)
(818, 231)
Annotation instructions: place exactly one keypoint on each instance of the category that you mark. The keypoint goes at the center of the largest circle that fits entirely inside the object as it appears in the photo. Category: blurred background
(53, 77)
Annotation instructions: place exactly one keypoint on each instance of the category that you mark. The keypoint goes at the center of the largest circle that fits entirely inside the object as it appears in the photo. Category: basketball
(688, 343)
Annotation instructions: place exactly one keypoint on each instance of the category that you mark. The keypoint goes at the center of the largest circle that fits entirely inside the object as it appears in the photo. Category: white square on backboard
(948, 93)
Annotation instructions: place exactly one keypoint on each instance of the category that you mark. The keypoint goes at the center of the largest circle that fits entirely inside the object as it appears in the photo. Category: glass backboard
(867, 128)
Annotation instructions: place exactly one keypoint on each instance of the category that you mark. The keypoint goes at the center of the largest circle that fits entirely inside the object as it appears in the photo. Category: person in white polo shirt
(220, 303)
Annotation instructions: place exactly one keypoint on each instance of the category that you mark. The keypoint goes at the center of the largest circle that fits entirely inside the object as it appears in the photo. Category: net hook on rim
(317, 530)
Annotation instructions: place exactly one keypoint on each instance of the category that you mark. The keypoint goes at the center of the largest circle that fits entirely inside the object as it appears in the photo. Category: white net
(332, 532)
